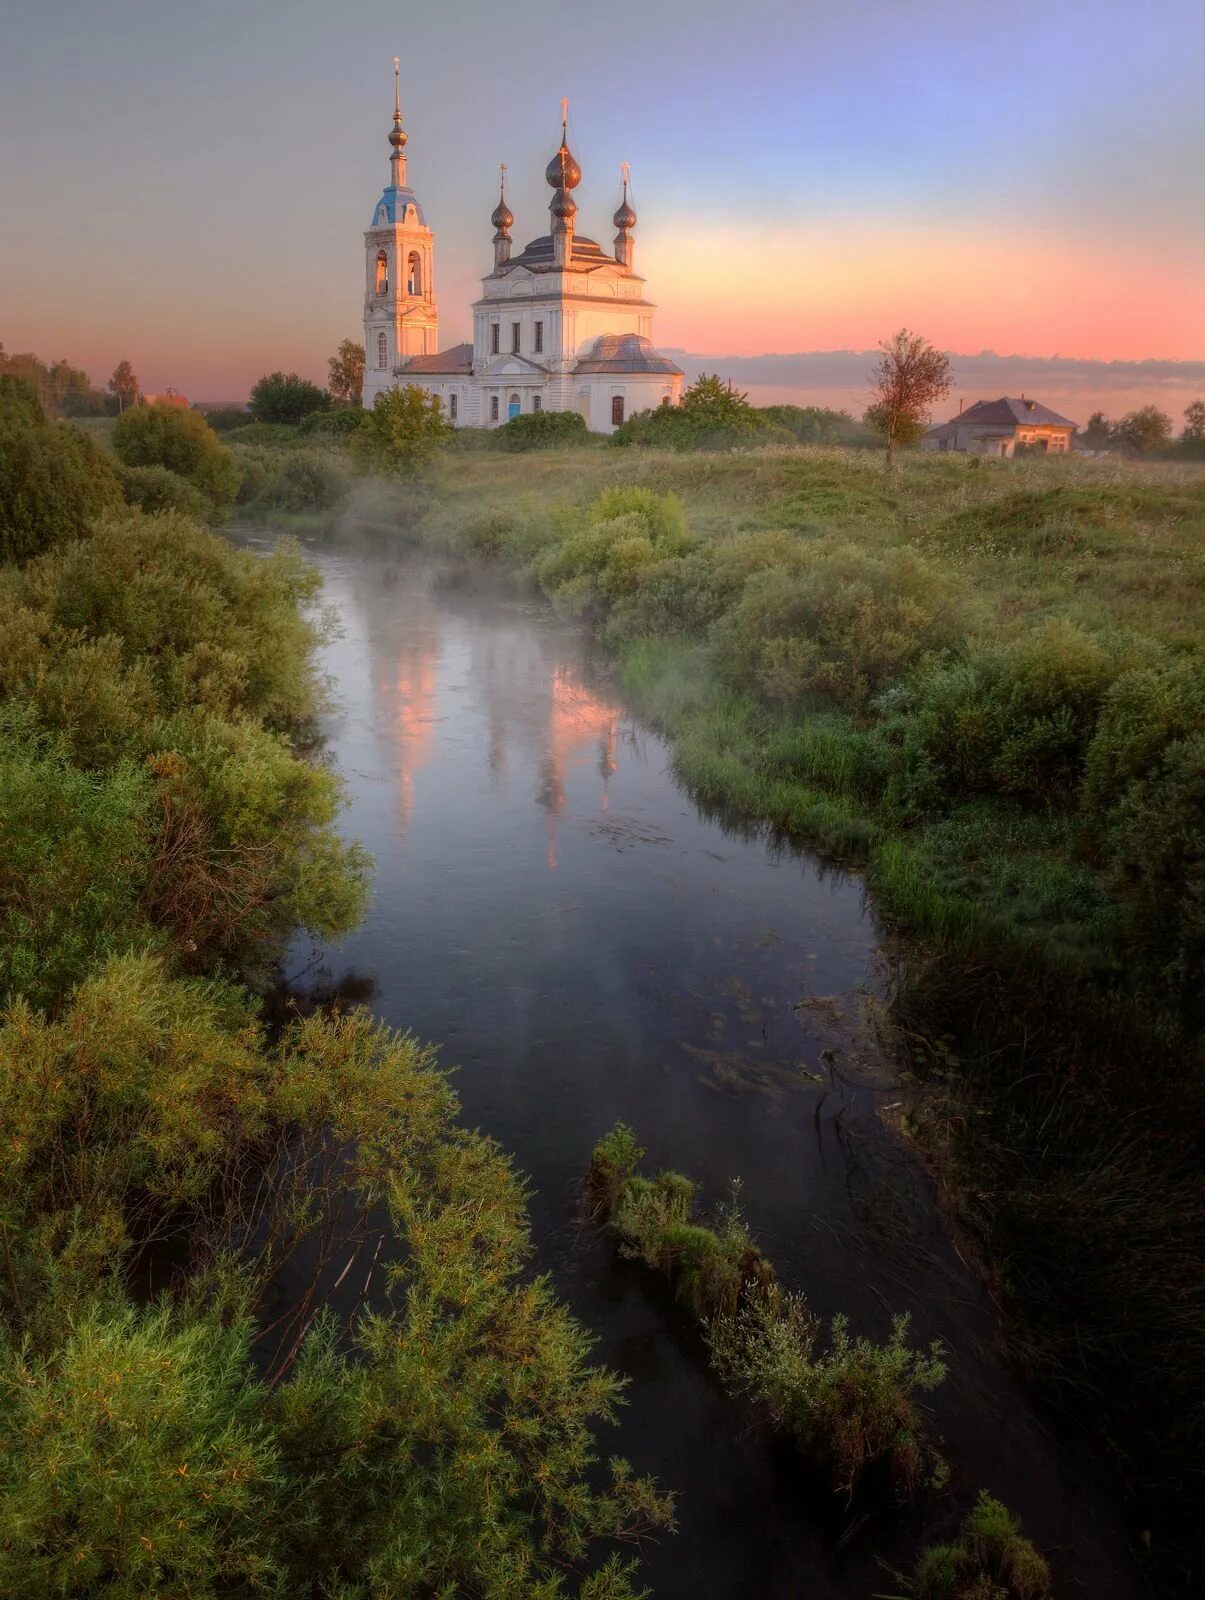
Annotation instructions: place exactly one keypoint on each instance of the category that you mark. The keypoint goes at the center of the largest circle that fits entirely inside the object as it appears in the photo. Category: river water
(584, 944)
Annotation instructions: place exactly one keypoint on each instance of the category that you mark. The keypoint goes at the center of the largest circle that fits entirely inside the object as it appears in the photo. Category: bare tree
(909, 377)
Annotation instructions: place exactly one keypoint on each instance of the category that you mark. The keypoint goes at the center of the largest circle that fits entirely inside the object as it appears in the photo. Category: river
(584, 944)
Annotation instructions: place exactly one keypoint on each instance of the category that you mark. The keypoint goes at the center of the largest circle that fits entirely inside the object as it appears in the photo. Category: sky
(186, 186)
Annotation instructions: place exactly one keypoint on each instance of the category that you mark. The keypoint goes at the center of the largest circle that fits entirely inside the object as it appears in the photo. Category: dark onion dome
(563, 171)
(563, 205)
(625, 217)
(502, 217)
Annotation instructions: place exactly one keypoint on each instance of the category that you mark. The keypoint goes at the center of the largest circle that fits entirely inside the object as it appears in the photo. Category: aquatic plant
(989, 1560)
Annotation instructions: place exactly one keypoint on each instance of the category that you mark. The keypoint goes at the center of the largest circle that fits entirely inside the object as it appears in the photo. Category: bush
(818, 425)
(285, 397)
(264, 433)
(183, 442)
(301, 482)
(157, 489)
(541, 430)
(332, 424)
(989, 1560)
(404, 430)
(712, 416)
(628, 528)
(53, 480)
(223, 418)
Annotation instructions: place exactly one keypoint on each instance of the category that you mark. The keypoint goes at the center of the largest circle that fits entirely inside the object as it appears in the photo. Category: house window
(382, 352)
(494, 397)
(514, 338)
(495, 338)
(537, 401)
(538, 339)
(616, 410)
(452, 406)
(414, 283)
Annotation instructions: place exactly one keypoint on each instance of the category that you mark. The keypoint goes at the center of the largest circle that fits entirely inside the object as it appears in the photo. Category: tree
(59, 387)
(1144, 430)
(909, 377)
(53, 480)
(1098, 435)
(284, 397)
(124, 385)
(404, 429)
(164, 435)
(1194, 422)
(347, 373)
(709, 396)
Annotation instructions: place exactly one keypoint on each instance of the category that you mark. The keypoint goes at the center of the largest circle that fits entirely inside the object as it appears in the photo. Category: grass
(982, 682)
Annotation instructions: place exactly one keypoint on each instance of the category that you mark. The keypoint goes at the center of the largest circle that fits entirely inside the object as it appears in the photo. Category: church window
(382, 351)
(452, 399)
(515, 328)
(538, 343)
(616, 410)
(382, 273)
(537, 402)
(513, 407)
(494, 402)
(414, 284)
(495, 338)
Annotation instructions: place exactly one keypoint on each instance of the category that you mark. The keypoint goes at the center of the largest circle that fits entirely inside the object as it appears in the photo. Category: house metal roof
(1006, 414)
(391, 206)
(625, 352)
(538, 256)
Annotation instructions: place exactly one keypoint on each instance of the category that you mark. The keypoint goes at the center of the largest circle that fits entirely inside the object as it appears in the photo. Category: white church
(562, 326)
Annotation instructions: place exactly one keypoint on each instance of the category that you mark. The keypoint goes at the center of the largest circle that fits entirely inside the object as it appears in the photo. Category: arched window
(537, 402)
(414, 274)
(382, 351)
(513, 406)
(382, 272)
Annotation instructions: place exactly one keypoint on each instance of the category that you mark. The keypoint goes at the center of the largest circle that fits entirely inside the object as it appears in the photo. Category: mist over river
(583, 944)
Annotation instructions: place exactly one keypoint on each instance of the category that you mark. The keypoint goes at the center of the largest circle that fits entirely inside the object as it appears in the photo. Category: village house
(998, 427)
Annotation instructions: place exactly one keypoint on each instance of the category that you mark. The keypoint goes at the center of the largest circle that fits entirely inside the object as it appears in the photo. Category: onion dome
(563, 205)
(625, 217)
(563, 171)
(502, 218)
(397, 134)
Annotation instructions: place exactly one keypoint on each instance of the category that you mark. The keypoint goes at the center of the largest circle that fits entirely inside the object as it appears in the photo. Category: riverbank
(981, 681)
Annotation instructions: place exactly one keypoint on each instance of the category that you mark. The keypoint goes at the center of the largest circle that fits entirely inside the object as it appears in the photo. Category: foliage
(124, 385)
(163, 435)
(53, 480)
(1194, 422)
(1099, 432)
(989, 1560)
(346, 382)
(626, 530)
(223, 419)
(909, 377)
(816, 424)
(58, 386)
(301, 481)
(1143, 430)
(404, 430)
(285, 397)
(331, 424)
(854, 1404)
(712, 416)
(540, 430)
(157, 489)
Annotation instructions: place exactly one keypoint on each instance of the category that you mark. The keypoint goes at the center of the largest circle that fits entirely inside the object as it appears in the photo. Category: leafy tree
(817, 424)
(285, 397)
(157, 489)
(58, 385)
(163, 435)
(540, 430)
(124, 385)
(224, 419)
(346, 382)
(712, 416)
(1144, 430)
(53, 480)
(1098, 435)
(910, 376)
(404, 430)
(1194, 422)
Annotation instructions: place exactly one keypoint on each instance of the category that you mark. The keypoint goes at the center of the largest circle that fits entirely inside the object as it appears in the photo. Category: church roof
(392, 204)
(625, 352)
(459, 359)
(538, 255)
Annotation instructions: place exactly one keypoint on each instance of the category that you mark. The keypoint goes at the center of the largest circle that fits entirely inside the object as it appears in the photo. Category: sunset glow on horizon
(192, 189)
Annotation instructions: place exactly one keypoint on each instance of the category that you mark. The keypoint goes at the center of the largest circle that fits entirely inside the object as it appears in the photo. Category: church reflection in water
(438, 673)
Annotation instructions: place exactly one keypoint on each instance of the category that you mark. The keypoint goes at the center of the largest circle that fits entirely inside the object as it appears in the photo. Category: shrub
(223, 418)
(183, 442)
(404, 430)
(818, 425)
(261, 433)
(285, 397)
(332, 424)
(301, 482)
(541, 430)
(157, 489)
(854, 1403)
(989, 1560)
(53, 479)
(712, 416)
(627, 529)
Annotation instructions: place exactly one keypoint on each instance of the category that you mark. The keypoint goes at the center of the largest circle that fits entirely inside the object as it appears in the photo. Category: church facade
(560, 326)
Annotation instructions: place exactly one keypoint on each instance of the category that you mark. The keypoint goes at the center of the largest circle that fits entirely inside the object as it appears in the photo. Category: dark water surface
(583, 944)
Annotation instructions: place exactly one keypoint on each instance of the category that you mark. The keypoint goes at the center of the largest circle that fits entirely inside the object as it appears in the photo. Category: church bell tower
(400, 316)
